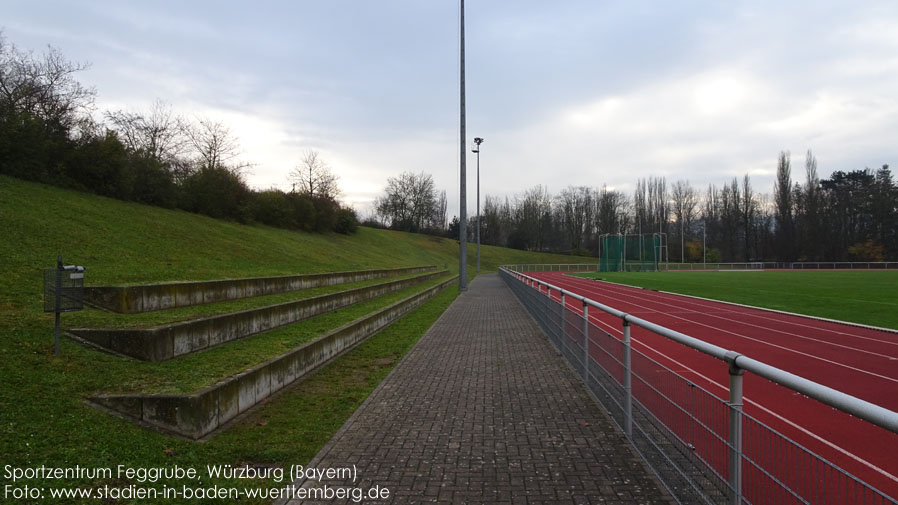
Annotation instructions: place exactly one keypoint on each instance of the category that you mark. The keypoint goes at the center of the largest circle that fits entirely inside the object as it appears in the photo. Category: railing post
(735, 441)
(563, 320)
(586, 343)
(628, 382)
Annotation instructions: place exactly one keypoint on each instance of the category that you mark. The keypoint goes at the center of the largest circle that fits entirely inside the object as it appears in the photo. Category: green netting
(630, 253)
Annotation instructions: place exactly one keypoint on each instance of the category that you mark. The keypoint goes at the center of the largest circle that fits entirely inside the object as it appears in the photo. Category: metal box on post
(63, 292)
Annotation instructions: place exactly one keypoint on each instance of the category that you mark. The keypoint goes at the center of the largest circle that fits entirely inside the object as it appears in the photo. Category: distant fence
(795, 265)
(633, 266)
(728, 457)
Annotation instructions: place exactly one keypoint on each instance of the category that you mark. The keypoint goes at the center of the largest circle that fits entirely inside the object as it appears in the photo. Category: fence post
(563, 319)
(58, 293)
(628, 381)
(586, 343)
(735, 441)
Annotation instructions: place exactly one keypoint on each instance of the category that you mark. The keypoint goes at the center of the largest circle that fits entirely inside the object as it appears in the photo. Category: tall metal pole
(463, 194)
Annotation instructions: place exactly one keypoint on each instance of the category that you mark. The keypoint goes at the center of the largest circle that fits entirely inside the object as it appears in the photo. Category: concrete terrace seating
(168, 341)
(152, 297)
(197, 415)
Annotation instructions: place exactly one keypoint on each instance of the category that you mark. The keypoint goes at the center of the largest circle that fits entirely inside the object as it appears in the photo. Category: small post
(628, 382)
(563, 320)
(58, 292)
(586, 343)
(735, 440)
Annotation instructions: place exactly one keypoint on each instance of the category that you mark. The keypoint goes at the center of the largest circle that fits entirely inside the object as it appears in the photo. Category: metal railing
(556, 267)
(843, 265)
(702, 448)
(714, 266)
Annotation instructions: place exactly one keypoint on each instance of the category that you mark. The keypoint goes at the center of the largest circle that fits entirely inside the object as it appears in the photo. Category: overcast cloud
(565, 93)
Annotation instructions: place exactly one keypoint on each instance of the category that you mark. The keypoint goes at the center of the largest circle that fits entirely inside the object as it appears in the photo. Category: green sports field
(866, 297)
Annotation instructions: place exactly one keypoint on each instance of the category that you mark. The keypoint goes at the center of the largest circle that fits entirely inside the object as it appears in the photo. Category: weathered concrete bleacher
(152, 297)
(196, 415)
(168, 341)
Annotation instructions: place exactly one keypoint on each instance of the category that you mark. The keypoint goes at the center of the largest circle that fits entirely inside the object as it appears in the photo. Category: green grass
(43, 417)
(866, 297)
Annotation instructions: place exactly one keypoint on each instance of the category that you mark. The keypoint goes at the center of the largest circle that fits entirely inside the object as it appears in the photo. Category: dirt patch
(385, 361)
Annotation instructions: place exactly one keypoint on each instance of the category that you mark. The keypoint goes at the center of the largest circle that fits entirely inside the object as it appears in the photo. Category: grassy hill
(43, 418)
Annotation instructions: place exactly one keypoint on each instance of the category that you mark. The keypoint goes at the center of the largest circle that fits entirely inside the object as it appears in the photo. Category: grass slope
(866, 297)
(43, 419)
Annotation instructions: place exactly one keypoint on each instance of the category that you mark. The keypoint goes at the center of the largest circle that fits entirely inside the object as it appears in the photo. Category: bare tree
(640, 206)
(533, 216)
(157, 134)
(730, 218)
(749, 213)
(658, 206)
(811, 219)
(784, 207)
(213, 145)
(44, 86)
(612, 211)
(440, 216)
(685, 202)
(314, 177)
(576, 208)
(409, 202)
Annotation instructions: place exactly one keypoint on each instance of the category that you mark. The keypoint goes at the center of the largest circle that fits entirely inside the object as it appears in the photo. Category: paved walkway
(483, 410)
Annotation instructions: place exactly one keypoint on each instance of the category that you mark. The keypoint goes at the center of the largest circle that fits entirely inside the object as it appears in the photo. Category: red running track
(859, 361)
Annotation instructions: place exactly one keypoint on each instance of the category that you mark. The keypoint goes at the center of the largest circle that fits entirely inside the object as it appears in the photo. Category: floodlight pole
(463, 194)
(478, 141)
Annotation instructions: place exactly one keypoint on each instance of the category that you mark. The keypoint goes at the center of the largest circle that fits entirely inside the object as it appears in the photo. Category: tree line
(48, 134)
(851, 216)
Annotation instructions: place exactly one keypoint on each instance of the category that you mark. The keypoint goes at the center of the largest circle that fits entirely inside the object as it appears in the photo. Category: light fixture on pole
(478, 141)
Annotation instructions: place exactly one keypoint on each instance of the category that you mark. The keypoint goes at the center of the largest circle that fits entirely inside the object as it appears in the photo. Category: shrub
(216, 192)
(347, 222)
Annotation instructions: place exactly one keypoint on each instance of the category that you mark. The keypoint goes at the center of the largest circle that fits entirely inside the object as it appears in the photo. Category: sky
(564, 93)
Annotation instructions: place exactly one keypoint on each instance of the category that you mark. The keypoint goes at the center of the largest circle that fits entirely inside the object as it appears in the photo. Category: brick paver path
(483, 410)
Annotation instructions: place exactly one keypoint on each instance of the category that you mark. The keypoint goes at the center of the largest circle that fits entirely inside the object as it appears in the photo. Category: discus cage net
(631, 252)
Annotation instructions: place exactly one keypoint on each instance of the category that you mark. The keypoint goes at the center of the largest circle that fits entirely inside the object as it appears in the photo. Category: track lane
(837, 367)
(862, 449)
